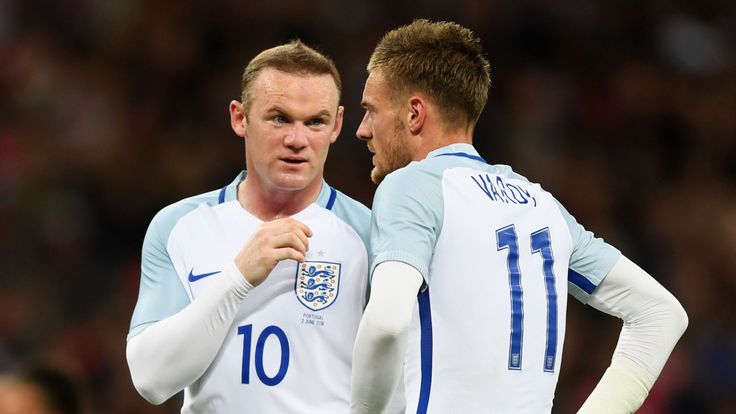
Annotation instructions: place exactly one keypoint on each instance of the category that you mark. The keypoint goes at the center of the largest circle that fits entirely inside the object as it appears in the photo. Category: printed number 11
(540, 243)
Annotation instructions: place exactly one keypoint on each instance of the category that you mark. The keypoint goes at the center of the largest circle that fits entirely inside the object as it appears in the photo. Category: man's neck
(271, 203)
(430, 143)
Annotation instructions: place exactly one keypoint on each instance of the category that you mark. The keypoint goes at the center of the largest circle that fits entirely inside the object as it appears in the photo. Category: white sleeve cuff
(622, 390)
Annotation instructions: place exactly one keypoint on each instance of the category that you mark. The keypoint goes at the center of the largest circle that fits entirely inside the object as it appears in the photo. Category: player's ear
(238, 120)
(338, 123)
(417, 114)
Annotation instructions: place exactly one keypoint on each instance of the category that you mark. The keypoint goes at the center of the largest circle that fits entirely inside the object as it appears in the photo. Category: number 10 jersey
(289, 348)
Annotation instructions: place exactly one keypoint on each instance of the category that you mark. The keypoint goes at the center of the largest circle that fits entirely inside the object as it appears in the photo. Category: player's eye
(316, 122)
(280, 119)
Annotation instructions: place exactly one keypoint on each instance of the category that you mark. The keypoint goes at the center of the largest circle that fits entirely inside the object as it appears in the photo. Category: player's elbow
(385, 333)
(148, 391)
(388, 327)
(679, 318)
(141, 374)
(672, 318)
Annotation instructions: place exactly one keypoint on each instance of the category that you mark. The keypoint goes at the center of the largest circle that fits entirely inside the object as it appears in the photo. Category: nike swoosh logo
(194, 278)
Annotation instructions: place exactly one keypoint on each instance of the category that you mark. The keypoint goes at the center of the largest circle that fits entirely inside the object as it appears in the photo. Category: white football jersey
(498, 255)
(290, 346)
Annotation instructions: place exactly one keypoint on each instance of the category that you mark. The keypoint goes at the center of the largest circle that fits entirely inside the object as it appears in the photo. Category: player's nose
(296, 137)
(364, 132)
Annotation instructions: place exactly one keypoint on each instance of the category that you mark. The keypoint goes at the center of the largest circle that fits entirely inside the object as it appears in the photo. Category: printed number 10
(540, 243)
(247, 332)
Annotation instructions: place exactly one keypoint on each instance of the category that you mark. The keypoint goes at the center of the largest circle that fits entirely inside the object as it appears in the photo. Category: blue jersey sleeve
(161, 292)
(591, 259)
(407, 218)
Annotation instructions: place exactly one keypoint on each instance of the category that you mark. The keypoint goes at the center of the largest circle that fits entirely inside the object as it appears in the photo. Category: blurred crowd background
(110, 110)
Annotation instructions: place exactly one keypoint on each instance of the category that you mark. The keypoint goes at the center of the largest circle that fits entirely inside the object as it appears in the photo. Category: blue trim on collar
(465, 155)
(221, 197)
(331, 201)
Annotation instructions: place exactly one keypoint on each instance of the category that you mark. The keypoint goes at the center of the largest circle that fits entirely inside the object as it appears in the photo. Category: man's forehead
(376, 87)
(315, 92)
(270, 77)
(375, 79)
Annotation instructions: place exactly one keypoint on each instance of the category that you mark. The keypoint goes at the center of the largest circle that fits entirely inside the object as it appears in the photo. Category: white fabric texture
(653, 322)
(623, 388)
(381, 343)
(154, 356)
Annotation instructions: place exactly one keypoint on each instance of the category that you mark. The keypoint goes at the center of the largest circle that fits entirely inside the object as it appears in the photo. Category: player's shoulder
(351, 211)
(413, 176)
(417, 185)
(432, 168)
(166, 219)
(345, 202)
(508, 172)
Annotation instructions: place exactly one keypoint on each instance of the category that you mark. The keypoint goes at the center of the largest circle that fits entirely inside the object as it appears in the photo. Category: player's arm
(175, 351)
(653, 322)
(380, 345)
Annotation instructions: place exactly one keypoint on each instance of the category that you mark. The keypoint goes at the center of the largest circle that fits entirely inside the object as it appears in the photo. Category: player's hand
(276, 240)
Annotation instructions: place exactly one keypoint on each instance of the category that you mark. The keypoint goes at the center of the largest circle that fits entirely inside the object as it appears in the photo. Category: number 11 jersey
(498, 255)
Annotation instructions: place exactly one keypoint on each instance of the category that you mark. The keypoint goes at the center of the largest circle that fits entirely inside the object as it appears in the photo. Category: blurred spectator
(39, 389)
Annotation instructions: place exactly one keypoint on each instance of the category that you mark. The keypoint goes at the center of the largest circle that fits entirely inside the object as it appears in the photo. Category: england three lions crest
(317, 284)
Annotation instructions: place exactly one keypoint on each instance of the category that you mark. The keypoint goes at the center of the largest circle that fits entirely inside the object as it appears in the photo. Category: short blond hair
(293, 57)
(443, 60)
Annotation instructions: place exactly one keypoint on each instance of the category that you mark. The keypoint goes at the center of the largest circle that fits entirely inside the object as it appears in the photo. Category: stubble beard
(396, 154)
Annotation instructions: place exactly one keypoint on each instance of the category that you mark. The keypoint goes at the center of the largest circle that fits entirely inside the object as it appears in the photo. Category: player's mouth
(294, 160)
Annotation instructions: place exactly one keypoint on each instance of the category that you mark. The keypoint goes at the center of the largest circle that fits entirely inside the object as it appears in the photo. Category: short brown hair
(443, 60)
(293, 57)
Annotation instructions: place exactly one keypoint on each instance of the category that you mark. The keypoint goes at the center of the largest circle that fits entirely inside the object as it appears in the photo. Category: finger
(287, 224)
(288, 253)
(291, 225)
(303, 227)
(292, 240)
(303, 237)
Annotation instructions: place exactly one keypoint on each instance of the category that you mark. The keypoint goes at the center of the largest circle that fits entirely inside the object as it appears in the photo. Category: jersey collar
(325, 199)
(462, 150)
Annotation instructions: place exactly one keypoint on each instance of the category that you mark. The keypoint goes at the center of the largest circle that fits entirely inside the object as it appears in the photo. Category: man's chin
(377, 175)
(292, 183)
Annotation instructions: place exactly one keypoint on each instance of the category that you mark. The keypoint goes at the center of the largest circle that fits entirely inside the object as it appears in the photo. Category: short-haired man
(472, 263)
(251, 295)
